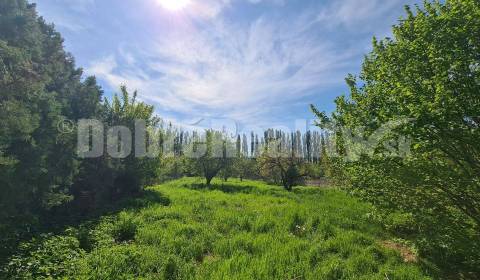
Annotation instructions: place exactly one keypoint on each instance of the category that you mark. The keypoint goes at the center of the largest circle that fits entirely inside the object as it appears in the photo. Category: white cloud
(209, 9)
(206, 8)
(229, 71)
(198, 63)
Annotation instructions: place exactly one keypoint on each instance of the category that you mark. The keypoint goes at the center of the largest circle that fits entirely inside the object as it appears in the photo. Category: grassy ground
(236, 230)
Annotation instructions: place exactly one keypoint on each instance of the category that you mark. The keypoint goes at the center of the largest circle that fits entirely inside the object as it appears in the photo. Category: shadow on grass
(72, 216)
(232, 188)
(224, 187)
(147, 198)
(18, 230)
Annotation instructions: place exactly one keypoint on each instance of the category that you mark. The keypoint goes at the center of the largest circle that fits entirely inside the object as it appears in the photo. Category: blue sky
(256, 62)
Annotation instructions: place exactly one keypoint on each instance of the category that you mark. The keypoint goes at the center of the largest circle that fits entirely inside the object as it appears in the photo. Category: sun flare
(174, 5)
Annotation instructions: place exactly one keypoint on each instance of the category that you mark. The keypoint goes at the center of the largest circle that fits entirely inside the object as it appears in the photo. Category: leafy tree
(230, 153)
(211, 154)
(281, 166)
(429, 75)
(175, 167)
(40, 88)
(245, 168)
(132, 172)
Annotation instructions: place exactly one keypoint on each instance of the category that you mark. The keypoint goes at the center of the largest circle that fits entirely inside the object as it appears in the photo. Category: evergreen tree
(39, 88)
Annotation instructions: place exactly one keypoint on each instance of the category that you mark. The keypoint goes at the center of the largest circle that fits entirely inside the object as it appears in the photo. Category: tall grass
(237, 230)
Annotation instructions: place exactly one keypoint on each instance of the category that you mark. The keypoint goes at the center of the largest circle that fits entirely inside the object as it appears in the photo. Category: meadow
(236, 230)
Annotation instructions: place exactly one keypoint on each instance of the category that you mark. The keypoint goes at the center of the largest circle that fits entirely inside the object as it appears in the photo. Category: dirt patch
(407, 254)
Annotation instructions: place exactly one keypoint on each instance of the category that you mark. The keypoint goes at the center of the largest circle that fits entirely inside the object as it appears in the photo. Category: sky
(255, 63)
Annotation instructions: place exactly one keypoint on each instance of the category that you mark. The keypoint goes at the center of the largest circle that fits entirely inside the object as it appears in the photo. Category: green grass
(237, 230)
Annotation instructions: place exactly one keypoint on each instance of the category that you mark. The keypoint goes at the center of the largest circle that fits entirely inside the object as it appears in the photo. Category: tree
(287, 169)
(39, 88)
(210, 154)
(428, 75)
(281, 165)
(245, 168)
(133, 171)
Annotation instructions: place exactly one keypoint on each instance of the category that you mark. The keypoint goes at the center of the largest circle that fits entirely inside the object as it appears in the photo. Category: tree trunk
(209, 180)
(288, 187)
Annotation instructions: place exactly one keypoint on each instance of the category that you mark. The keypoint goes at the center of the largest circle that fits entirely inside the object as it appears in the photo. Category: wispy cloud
(209, 9)
(360, 15)
(229, 71)
(255, 61)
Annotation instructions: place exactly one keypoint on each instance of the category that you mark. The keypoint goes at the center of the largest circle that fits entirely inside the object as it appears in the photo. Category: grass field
(236, 230)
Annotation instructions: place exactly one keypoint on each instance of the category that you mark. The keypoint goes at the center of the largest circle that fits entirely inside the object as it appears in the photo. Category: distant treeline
(307, 146)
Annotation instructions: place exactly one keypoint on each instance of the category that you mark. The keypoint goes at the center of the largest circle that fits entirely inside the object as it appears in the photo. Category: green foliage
(401, 223)
(427, 74)
(38, 78)
(280, 167)
(125, 229)
(247, 231)
(132, 172)
(212, 154)
(245, 167)
(175, 167)
(40, 88)
(49, 257)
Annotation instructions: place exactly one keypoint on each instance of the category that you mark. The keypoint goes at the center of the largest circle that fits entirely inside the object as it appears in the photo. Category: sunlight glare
(174, 5)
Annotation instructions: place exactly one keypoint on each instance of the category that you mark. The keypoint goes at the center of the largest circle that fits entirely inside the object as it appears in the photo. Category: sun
(174, 5)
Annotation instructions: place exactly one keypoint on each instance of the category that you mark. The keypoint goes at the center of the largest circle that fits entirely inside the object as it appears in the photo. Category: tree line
(242, 156)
